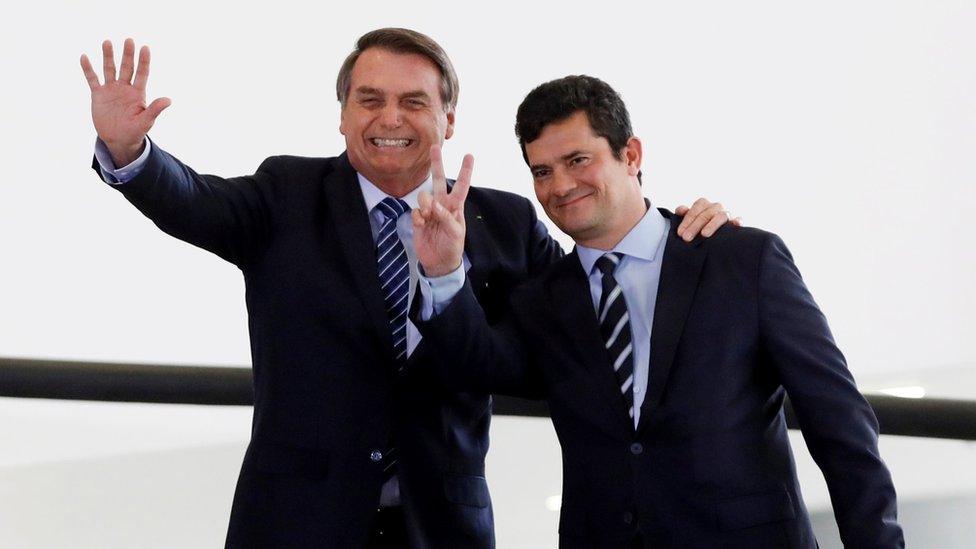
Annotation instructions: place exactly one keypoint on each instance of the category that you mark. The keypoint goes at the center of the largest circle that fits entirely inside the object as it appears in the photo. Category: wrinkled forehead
(383, 72)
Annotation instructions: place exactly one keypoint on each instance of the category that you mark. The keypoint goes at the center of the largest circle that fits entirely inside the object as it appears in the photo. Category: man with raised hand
(355, 440)
(665, 366)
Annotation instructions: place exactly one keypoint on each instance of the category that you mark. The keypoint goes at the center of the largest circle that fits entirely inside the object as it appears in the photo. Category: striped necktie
(394, 274)
(615, 328)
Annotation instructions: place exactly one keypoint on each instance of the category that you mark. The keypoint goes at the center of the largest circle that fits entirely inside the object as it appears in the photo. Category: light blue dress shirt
(638, 274)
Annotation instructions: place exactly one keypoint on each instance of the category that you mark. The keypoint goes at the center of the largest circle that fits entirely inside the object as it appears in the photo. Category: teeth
(390, 142)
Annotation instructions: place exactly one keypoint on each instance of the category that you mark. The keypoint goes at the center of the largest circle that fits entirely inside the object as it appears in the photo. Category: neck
(396, 185)
(624, 223)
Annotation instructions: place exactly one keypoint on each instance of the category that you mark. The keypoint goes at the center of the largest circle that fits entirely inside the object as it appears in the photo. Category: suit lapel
(478, 245)
(680, 270)
(351, 225)
(573, 306)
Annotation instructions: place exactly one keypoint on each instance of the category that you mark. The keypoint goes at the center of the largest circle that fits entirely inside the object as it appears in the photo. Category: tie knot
(392, 208)
(608, 262)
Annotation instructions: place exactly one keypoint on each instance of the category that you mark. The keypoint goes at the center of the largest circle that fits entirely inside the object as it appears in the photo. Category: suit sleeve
(229, 217)
(478, 357)
(838, 425)
(542, 249)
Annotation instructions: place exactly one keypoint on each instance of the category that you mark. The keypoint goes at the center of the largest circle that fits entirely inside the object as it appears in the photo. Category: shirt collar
(642, 242)
(373, 195)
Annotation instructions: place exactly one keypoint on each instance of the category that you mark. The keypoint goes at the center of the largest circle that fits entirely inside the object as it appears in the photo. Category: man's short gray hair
(402, 41)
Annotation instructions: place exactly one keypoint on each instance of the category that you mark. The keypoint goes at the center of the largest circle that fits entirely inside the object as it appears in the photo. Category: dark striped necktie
(615, 328)
(394, 274)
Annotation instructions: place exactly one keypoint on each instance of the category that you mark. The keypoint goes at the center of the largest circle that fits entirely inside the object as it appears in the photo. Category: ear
(633, 155)
(449, 131)
(342, 120)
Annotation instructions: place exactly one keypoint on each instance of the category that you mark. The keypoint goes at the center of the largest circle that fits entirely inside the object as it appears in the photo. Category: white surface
(847, 128)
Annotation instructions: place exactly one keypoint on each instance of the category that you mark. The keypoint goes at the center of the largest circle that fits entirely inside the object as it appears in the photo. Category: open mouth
(384, 143)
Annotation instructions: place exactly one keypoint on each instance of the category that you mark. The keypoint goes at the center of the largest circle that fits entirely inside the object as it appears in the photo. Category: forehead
(395, 73)
(563, 137)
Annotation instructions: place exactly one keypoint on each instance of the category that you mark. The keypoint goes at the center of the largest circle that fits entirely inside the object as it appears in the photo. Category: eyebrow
(564, 157)
(366, 90)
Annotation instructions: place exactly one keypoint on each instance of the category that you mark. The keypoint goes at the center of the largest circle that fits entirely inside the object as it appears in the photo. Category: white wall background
(849, 128)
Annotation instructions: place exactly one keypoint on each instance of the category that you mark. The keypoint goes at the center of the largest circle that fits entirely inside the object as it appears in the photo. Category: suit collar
(570, 298)
(643, 241)
(680, 273)
(352, 231)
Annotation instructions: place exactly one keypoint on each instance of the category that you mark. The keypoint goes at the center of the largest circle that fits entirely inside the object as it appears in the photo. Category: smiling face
(590, 194)
(392, 116)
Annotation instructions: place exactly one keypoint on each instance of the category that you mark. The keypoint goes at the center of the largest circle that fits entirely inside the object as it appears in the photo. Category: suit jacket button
(637, 448)
(628, 517)
(376, 456)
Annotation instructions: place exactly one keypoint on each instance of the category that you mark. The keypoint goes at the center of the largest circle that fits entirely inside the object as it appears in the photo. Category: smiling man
(355, 440)
(665, 366)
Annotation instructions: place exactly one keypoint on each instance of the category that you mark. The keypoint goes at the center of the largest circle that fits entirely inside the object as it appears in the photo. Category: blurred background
(848, 128)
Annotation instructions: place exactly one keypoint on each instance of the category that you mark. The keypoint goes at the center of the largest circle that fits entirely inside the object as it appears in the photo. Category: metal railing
(222, 386)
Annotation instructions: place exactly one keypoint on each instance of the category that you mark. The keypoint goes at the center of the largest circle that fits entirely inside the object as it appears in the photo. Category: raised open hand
(438, 224)
(118, 105)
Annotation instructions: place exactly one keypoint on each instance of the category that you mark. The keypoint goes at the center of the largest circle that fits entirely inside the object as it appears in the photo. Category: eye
(416, 103)
(579, 160)
(370, 102)
(540, 173)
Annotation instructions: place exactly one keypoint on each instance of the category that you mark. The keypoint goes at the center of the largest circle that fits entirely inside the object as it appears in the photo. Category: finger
(441, 214)
(89, 71)
(128, 52)
(424, 199)
(156, 107)
(701, 220)
(460, 191)
(108, 62)
(417, 218)
(680, 211)
(720, 218)
(693, 212)
(142, 72)
(737, 221)
(437, 170)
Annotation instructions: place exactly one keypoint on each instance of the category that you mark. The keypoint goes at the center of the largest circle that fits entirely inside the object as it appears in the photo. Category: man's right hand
(118, 105)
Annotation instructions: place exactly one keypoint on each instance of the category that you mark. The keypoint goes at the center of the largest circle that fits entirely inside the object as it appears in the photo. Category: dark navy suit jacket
(325, 392)
(734, 331)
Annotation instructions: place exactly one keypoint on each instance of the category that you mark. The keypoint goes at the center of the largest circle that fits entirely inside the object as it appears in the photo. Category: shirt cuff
(118, 176)
(436, 293)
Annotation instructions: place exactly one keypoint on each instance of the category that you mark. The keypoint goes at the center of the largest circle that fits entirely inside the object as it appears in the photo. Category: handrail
(119, 382)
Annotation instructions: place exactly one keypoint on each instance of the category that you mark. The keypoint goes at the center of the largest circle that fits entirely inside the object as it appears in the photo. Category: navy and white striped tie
(615, 327)
(394, 274)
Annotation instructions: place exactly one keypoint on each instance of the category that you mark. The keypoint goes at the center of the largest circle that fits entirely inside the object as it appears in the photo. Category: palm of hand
(117, 112)
(441, 242)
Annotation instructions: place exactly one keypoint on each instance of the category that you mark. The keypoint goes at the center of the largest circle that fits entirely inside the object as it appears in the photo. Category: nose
(562, 183)
(390, 116)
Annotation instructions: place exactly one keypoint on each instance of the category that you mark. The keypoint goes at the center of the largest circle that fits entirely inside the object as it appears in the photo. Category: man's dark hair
(557, 100)
(402, 41)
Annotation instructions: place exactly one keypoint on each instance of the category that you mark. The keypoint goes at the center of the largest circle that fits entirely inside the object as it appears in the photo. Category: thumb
(156, 107)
